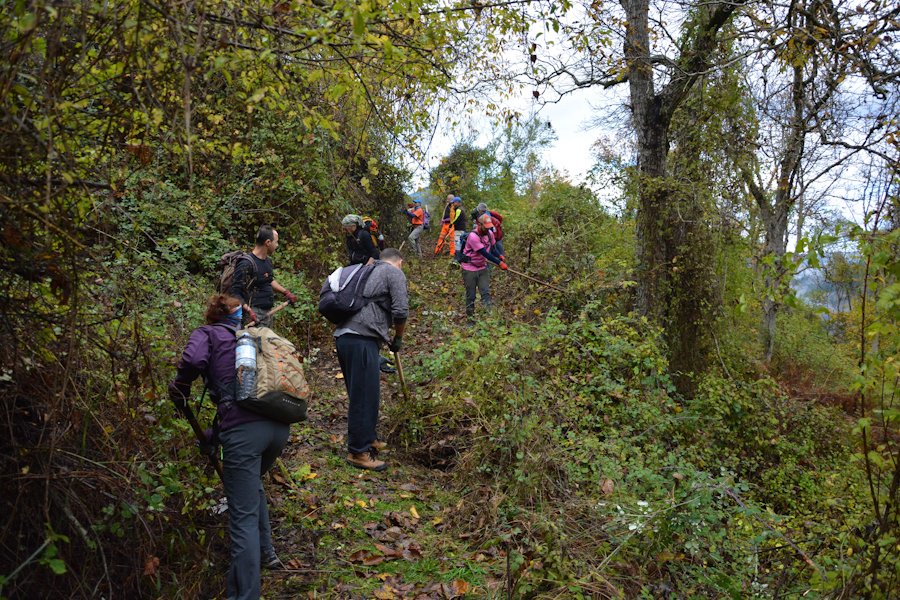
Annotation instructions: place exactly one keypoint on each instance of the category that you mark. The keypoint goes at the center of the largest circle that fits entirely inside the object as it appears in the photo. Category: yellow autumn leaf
(414, 512)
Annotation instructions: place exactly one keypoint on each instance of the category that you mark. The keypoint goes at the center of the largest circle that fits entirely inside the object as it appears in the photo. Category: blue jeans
(248, 451)
(360, 363)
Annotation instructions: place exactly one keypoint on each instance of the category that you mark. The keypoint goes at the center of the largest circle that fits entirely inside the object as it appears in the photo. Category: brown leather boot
(365, 460)
(379, 445)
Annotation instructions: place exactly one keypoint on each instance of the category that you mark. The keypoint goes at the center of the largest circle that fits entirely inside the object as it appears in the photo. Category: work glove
(290, 297)
(503, 265)
(176, 395)
(251, 317)
(396, 343)
(208, 445)
(386, 365)
(502, 258)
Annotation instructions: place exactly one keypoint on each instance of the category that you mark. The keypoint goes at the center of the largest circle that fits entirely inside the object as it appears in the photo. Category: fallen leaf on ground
(607, 486)
(388, 551)
(150, 566)
(366, 557)
(414, 512)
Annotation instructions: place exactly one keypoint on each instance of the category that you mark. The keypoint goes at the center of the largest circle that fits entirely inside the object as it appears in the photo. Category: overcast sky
(570, 119)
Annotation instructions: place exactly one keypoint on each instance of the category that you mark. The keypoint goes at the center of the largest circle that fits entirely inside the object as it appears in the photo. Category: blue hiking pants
(248, 451)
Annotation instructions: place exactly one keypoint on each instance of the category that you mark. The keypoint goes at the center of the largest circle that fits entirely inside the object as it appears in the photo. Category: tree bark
(661, 227)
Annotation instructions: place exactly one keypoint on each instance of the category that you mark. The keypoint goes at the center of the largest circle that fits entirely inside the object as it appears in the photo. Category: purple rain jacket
(210, 353)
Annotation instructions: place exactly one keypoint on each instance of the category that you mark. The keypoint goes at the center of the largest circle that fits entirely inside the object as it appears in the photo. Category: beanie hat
(457, 199)
(482, 208)
(351, 220)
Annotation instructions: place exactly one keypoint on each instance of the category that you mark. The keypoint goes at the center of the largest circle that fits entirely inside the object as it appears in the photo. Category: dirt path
(347, 533)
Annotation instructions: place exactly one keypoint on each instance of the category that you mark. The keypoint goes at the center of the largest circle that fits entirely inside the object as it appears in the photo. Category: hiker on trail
(360, 249)
(496, 219)
(371, 225)
(416, 215)
(254, 281)
(446, 230)
(358, 341)
(250, 443)
(479, 250)
(458, 220)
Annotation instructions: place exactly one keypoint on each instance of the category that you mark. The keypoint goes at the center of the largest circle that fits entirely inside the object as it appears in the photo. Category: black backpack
(340, 301)
(460, 256)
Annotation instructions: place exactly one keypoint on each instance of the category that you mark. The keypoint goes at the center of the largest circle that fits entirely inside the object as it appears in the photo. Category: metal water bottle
(245, 367)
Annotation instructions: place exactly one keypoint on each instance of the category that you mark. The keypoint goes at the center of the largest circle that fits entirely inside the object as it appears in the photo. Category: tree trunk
(651, 126)
(663, 227)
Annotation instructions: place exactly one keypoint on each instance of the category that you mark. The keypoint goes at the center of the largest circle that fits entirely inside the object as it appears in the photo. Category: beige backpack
(281, 388)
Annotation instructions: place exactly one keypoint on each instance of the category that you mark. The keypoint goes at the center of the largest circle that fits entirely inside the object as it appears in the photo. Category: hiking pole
(402, 378)
(544, 283)
(201, 437)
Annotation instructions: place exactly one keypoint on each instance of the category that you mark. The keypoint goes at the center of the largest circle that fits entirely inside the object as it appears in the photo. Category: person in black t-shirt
(254, 284)
(360, 248)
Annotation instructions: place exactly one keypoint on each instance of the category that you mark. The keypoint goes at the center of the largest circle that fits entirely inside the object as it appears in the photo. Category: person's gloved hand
(386, 365)
(208, 445)
(502, 258)
(503, 265)
(291, 298)
(396, 343)
(178, 398)
(251, 317)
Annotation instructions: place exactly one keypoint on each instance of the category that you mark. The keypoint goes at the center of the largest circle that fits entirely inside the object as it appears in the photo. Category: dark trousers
(480, 280)
(359, 359)
(248, 451)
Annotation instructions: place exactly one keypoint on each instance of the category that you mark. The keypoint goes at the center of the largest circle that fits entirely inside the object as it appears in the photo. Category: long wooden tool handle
(281, 306)
(544, 283)
(400, 374)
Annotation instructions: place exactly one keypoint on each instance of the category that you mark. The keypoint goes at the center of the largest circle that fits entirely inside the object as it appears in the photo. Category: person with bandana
(250, 443)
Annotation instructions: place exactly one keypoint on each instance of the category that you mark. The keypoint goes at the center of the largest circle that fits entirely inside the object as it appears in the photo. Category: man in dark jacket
(360, 248)
(458, 220)
(254, 283)
(358, 340)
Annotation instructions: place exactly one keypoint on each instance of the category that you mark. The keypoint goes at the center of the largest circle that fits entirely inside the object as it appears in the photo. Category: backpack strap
(254, 276)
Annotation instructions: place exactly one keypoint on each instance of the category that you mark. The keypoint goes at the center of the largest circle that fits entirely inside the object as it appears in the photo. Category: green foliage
(569, 238)
(561, 424)
(463, 172)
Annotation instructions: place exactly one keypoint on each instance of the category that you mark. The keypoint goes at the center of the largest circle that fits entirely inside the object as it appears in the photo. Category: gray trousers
(414, 236)
(248, 451)
(360, 364)
(265, 319)
(477, 280)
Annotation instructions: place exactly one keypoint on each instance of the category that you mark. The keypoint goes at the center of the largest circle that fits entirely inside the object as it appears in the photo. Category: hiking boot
(379, 445)
(366, 460)
(269, 560)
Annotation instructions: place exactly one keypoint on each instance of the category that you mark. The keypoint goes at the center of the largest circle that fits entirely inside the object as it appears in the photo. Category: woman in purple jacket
(250, 443)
